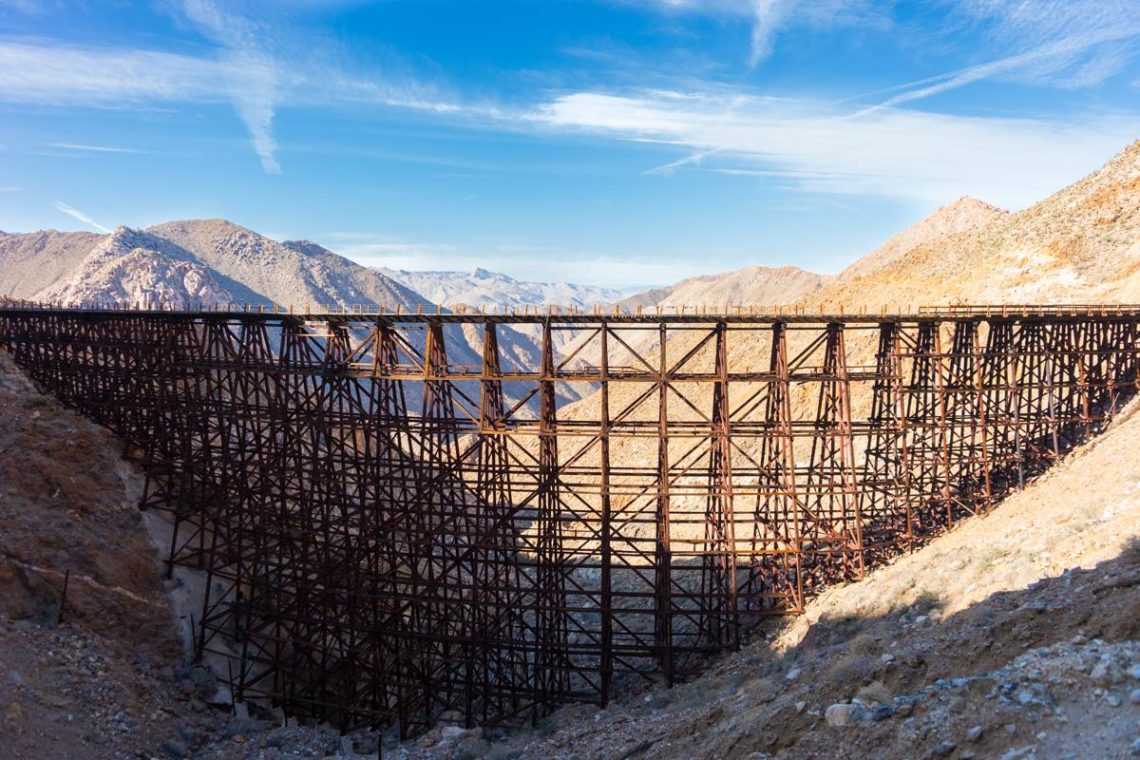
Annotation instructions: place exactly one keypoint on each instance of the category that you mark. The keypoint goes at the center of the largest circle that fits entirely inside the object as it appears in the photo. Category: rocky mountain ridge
(208, 261)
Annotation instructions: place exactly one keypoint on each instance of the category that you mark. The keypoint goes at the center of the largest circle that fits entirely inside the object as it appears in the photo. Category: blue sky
(615, 142)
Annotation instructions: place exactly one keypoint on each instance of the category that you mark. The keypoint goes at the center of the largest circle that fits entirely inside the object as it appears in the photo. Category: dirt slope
(93, 686)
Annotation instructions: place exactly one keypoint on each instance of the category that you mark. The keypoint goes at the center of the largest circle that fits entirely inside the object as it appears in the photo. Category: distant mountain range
(498, 291)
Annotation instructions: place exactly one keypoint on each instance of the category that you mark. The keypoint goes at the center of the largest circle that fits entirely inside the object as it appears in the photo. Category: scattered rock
(1104, 673)
(1017, 753)
(877, 711)
(839, 715)
(975, 733)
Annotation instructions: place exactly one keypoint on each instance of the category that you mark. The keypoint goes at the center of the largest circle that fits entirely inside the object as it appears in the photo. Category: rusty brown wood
(398, 522)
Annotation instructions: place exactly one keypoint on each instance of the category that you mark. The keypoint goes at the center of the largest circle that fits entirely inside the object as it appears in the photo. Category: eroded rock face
(132, 267)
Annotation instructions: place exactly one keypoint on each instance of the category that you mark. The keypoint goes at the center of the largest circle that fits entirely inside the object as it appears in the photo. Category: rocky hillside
(31, 263)
(498, 291)
(759, 285)
(766, 286)
(281, 274)
(135, 267)
(205, 261)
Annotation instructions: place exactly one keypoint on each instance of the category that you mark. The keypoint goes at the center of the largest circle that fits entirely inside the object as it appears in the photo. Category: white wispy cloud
(257, 64)
(53, 73)
(891, 152)
(1053, 35)
(1081, 53)
(253, 72)
(77, 214)
(770, 14)
(672, 166)
(1017, 26)
(768, 18)
(96, 148)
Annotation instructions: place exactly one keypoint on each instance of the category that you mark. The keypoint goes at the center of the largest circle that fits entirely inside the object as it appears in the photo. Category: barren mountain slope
(964, 214)
(1017, 632)
(209, 261)
(765, 286)
(1080, 245)
(650, 297)
(30, 263)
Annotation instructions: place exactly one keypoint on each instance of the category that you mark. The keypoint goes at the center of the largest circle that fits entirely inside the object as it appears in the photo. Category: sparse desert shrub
(840, 629)
(876, 691)
(927, 600)
(863, 644)
(852, 669)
